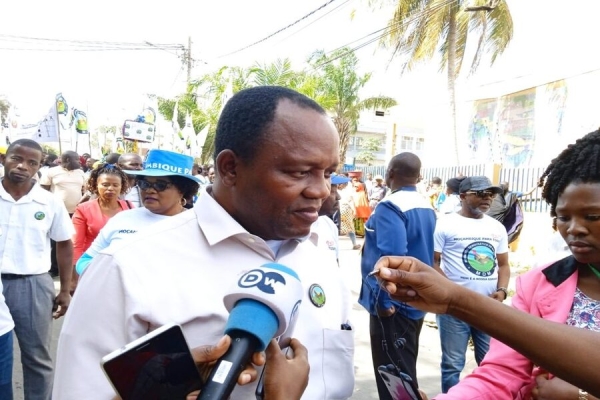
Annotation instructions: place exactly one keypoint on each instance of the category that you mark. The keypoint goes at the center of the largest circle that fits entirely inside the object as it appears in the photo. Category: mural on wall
(516, 129)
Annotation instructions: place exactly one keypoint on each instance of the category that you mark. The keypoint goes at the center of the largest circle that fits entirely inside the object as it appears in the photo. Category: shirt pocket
(338, 363)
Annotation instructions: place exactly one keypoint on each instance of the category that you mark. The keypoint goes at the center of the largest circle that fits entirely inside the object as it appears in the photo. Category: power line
(279, 31)
(85, 42)
(387, 30)
(339, 6)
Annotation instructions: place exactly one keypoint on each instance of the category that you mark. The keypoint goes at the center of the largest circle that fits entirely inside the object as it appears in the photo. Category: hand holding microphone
(261, 305)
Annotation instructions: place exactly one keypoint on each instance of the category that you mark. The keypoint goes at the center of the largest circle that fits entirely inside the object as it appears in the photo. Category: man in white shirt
(31, 216)
(275, 150)
(470, 249)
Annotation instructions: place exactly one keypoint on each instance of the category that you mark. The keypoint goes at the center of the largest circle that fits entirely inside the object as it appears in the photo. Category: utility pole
(188, 59)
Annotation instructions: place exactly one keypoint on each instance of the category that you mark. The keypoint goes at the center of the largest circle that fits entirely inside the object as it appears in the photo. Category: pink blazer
(504, 374)
(87, 221)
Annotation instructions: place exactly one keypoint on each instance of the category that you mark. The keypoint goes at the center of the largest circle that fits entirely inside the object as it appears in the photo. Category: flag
(81, 122)
(201, 138)
(62, 108)
(189, 135)
(46, 130)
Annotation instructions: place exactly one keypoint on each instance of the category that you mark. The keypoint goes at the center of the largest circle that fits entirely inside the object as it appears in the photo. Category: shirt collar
(561, 270)
(217, 225)
(37, 194)
(406, 189)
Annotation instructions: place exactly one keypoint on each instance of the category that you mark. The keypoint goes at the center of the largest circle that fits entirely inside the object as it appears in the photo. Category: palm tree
(4, 107)
(420, 28)
(340, 85)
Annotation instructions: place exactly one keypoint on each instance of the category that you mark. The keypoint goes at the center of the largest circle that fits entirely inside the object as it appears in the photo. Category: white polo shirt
(26, 227)
(177, 271)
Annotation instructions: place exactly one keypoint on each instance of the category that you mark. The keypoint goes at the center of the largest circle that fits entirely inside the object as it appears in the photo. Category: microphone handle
(225, 373)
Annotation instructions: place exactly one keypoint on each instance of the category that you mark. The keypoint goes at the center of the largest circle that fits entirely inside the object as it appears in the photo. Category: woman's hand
(409, 280)
(553, 388)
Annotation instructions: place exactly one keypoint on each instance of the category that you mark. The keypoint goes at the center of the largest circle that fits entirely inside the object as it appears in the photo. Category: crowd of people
(137, 244)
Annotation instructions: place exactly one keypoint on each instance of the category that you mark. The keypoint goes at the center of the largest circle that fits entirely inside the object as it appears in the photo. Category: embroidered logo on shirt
(39, 215)
(317, 295)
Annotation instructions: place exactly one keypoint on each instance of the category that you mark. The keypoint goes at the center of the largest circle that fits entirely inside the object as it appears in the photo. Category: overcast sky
(552, 39)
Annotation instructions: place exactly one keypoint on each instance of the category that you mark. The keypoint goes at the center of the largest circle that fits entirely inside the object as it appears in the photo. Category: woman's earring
(183, 202)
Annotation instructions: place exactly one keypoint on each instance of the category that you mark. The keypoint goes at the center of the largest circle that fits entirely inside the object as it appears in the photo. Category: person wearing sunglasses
(470, 249)
(164, 184)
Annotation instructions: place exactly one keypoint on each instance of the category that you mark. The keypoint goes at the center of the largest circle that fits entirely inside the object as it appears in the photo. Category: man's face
(21, 164)
(132, 163)
(71, 161)
(278, 194)
(331, 203)
(211, 175)
(477, 202)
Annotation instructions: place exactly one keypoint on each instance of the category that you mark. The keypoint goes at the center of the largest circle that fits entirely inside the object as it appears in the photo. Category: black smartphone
(400, 385)
(157, 366)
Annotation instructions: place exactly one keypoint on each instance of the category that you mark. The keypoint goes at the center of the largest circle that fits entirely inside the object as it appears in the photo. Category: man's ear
(226, 166)
(462, 196)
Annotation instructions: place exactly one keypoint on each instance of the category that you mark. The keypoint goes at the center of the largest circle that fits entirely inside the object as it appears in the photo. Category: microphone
(261, 306)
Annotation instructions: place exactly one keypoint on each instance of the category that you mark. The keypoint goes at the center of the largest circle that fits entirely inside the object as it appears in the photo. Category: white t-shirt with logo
(469, 247)
(122, 226)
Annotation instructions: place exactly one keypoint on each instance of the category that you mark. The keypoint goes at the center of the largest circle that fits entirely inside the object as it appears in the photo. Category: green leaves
(331, 80)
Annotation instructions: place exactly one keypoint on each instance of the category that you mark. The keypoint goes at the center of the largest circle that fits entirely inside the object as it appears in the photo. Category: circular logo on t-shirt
(480, 258)
(39, 215)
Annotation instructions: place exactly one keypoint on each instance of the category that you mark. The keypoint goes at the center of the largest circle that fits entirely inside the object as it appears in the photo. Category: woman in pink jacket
(566, 291)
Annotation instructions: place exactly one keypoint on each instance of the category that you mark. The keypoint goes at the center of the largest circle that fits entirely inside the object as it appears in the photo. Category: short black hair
(437, 180)
(244, 121)
(186, 186)
(32, 144)
(578, 163)
(112, 158)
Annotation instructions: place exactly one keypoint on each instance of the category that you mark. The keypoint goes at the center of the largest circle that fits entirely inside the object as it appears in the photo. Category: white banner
(44, 131)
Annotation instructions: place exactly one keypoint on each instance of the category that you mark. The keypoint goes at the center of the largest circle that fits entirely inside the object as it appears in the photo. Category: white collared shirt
(327, 234)
(26, 227)
(178, 271)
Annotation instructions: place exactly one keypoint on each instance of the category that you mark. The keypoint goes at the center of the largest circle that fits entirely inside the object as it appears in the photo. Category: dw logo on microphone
(264, 281)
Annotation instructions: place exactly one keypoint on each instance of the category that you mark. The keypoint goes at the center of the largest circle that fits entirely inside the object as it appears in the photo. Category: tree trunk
(452, 79)
(343, 128)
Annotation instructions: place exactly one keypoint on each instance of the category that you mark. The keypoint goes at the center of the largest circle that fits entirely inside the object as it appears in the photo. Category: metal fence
(524, 180)
(519, 180)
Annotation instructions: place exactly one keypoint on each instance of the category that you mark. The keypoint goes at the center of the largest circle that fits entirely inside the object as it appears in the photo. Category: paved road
(429, 351)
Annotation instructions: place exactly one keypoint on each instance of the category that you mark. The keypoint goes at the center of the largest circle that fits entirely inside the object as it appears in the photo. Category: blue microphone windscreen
(255, 318)
(282, 268)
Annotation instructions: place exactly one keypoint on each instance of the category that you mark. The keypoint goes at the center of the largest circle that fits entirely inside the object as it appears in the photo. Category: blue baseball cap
(167, 163)
(339, 179)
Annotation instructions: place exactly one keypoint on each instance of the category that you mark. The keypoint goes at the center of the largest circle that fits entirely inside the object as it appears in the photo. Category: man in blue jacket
(402, 225)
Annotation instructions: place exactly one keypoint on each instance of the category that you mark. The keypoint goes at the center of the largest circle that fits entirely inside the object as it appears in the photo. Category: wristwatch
(583, 395)
(503, 289)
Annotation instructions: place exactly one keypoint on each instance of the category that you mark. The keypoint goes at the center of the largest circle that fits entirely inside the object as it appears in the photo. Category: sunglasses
(159, 186)
(482, 194)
